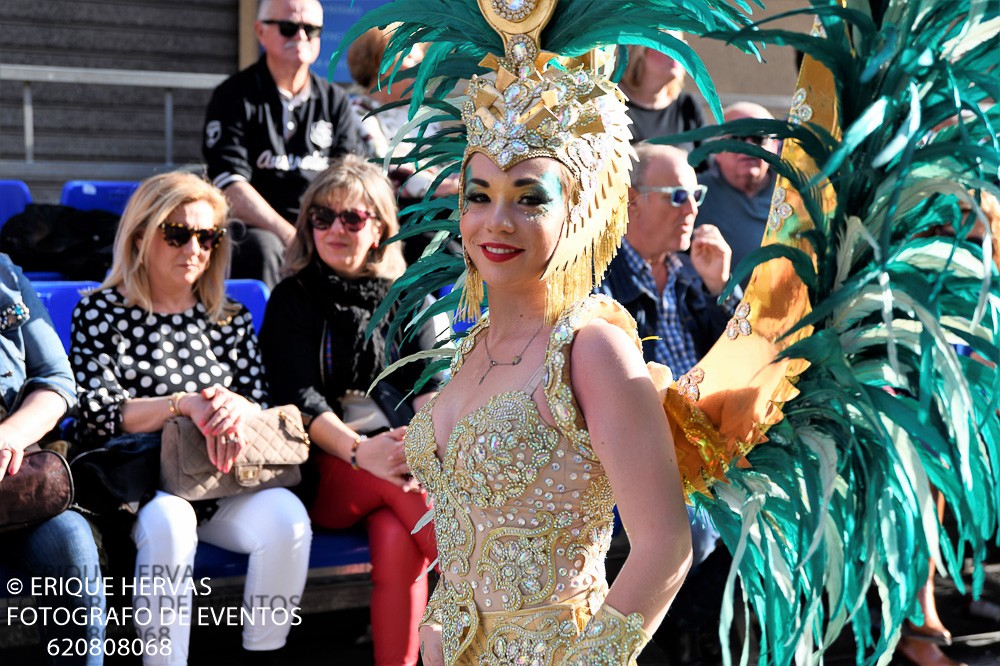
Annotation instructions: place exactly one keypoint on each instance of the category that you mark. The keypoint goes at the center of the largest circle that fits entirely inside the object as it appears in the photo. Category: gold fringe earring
(470, 305)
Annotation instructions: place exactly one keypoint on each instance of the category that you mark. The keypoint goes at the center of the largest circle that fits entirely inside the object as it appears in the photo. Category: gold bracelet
(608, 632)
(175, 400)
(354, 451)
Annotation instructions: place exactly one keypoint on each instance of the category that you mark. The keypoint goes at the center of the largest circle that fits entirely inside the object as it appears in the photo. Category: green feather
(837, 503)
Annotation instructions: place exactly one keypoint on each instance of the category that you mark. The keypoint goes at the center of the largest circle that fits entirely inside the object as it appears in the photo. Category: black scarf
(347, 305)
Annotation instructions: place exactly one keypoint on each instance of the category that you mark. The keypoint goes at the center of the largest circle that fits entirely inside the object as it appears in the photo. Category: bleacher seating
(109, 195)
(333, 552)
(339, 559)
(60, 298)
(14, 196)
(45, 276)
(251, 293)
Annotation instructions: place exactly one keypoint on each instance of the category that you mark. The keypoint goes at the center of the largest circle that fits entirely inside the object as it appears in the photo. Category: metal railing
(167, 81)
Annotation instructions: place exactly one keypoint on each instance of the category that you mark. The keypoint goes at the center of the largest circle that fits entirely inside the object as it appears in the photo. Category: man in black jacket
(672, 295)
(273, 127)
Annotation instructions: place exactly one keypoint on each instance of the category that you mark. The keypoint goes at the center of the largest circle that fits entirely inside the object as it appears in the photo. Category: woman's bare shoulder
(604, 356)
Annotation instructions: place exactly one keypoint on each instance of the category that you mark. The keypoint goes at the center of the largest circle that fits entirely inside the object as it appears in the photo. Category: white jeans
(271, 525)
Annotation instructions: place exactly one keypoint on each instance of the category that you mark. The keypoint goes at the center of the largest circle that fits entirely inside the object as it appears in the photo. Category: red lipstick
(499, 252)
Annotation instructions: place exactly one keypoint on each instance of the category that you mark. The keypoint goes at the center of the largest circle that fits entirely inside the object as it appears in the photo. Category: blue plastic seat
(14, 196)
(251, 293)
(61, 296)
(109, 195)
(60, 299)
(457, 325)
(44, 276)
(331, 552)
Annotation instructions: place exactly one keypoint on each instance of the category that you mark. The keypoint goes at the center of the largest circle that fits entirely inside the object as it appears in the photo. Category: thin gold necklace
(514, 361)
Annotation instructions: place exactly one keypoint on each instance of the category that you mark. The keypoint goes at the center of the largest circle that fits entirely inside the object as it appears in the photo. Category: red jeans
(347, 496)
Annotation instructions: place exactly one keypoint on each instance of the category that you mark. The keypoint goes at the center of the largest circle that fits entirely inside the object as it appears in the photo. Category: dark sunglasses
(678, 195)
(322, 218)
(755, 140)
(179, 235)
(290, 28)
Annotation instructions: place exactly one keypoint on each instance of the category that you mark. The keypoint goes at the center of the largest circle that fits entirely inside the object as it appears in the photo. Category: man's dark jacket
(699, 313)
(244, 138)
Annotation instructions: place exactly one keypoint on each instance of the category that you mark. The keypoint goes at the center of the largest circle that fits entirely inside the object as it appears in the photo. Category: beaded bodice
(522, 506)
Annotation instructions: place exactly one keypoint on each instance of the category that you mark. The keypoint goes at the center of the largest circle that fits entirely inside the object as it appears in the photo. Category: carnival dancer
(817, 478)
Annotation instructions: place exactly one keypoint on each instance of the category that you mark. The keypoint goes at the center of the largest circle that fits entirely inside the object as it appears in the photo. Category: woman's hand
(216, 410)
(11, 454)
(224, 449)
(383, 456)
(218, 413)
(431, 650)
(39, 413)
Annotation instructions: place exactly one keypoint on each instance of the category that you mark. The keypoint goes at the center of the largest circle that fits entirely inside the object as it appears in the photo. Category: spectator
(36, 389)
(739, 189)
(364, 57)
(657, 103)
(342, 269)
(371, 92)
(921, 644)
(991, 208)
(270, 129)
(158, 339)
(672, 296)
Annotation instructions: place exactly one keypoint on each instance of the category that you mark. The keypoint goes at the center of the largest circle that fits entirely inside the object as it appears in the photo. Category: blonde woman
(341, 271)
(657, 103)
(156, 339)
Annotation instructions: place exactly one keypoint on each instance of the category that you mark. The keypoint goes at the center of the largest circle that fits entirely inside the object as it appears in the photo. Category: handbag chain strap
(293, 426)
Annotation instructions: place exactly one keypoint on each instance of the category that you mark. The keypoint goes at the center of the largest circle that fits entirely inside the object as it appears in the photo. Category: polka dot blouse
(120, 351)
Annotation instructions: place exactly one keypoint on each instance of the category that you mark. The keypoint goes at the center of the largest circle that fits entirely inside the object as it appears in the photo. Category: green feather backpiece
(838, 502)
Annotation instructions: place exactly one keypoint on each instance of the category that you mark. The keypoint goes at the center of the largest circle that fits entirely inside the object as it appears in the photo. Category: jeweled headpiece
(538, 104)
(526, 102)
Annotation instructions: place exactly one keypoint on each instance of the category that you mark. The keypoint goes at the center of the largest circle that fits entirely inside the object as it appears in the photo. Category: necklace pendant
(514, 361)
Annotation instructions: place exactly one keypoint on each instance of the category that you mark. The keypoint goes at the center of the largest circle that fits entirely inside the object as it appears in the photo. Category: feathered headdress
(541, 105)
(540, 86)
(816, 427)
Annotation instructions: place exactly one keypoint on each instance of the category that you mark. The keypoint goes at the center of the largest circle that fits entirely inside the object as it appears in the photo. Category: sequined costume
(818, 478)
(523, 518)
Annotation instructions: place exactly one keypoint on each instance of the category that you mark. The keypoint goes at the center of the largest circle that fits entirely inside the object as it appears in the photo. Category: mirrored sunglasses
(179, 235)
(322, 218)
(678, 195)
(289, 29)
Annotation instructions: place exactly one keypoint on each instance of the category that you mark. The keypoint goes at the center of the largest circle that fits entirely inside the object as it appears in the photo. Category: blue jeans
(704, 536)
(62, 550)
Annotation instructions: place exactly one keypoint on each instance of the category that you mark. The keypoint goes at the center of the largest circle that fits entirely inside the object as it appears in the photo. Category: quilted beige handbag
(276, 445)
